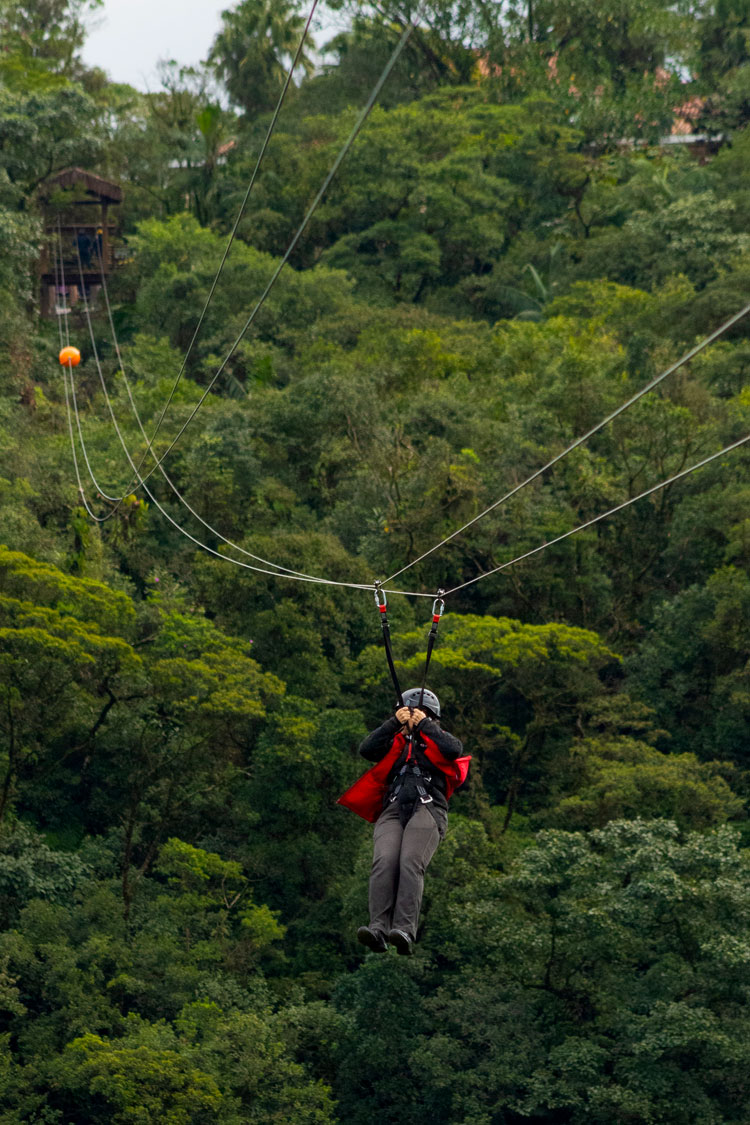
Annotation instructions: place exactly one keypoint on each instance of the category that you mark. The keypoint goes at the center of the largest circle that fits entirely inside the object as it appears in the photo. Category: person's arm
(448, 745)
(378, 742)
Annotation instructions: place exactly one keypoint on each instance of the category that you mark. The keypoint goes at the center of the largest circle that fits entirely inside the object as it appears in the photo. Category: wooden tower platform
(77, 213)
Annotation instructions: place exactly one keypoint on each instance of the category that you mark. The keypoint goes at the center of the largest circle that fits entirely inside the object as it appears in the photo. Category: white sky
(130, 36)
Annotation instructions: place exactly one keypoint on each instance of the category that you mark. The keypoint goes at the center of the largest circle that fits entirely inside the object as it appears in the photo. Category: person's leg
(385, 868)
(420, 841)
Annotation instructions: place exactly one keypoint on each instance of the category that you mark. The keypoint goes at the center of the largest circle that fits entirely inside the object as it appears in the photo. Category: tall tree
(450, 38)
(722, 63)
(250, 52)
(50, 31)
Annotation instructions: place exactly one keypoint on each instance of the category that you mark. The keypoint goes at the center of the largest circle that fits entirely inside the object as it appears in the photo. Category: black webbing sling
(382, 604)
(438, 609)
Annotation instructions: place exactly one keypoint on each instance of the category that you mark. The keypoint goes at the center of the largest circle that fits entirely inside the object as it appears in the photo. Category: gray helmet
(430, 701)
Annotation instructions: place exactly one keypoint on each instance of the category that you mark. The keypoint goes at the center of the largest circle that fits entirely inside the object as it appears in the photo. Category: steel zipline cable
(356, 129)
(117, 500)
(280, 571)
(68, 371)
(136, 415)
(287, 572)
(139, 478)
(69, 386)
(284, 572)
(295, 577)
(596, 519)
(58, 283)
(238, 220)
(580, 441)
(299, 577)
(73, 411)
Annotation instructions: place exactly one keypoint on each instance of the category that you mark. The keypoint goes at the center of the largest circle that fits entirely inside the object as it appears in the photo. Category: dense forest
(547, 206)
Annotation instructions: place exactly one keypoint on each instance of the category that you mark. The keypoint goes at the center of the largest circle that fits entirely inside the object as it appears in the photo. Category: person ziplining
(404, 841)
(424, 770)
(418, 766)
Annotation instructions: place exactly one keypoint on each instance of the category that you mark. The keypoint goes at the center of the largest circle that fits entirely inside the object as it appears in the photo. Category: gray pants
(400, 859)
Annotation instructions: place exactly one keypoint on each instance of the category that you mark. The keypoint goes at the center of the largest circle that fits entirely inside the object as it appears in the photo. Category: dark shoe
(402, 942)
(372, 939)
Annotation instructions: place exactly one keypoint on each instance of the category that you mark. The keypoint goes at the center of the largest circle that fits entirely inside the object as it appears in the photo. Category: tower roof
(92, 184)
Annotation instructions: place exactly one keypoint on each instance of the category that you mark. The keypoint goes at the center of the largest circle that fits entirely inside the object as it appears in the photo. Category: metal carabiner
(439, 601)
(380, 593)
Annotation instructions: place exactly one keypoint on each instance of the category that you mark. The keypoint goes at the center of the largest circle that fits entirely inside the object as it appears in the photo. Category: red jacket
(365, 797)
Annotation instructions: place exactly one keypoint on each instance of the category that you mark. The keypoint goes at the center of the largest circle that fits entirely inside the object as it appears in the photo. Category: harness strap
(383, 610)
(408, 762)
(438, 609)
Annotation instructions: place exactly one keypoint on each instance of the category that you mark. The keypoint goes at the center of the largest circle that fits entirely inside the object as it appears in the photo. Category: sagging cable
(691, 354)
(241, 212)
(603, 515)
(358, 125)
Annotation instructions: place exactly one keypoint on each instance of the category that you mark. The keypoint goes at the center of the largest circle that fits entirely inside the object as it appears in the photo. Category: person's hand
(404, 716)
(417, 716)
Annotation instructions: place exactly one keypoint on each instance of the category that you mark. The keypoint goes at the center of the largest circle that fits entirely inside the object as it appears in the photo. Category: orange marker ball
(71, 356)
